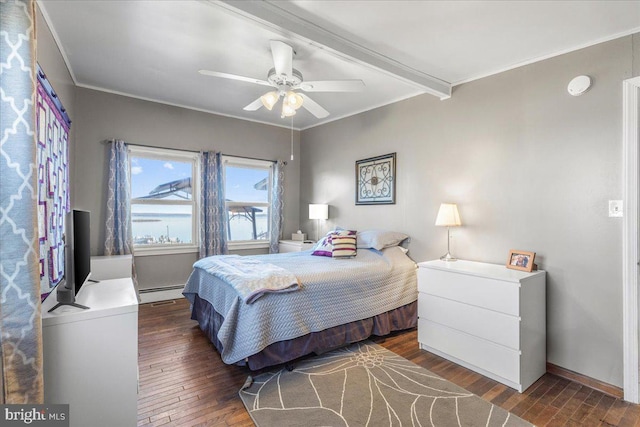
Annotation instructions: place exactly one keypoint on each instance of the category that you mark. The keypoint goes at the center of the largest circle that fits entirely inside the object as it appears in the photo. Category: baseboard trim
(585, 380)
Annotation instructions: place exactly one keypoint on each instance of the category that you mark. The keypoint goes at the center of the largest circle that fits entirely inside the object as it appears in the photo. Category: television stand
(66, 296)
(73, 304)
(90, 357)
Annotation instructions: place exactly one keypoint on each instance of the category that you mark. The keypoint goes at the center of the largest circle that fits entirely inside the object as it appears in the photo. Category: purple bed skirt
(405, 317)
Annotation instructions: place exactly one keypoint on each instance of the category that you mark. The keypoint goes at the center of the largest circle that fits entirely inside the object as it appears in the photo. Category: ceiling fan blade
(313, 107)
(282, 57)
(234, 77)
(255, 105)
(333, 86)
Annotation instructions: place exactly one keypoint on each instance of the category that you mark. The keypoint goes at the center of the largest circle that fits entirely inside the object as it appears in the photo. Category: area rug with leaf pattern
(365, 385)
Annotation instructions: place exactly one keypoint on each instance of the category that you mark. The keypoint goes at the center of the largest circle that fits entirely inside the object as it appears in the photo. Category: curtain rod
(46, 85)
(252, 158)
(106, 141)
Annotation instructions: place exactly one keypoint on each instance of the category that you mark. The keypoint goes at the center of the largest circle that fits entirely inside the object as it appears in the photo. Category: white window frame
(244, 162)
(178, 156)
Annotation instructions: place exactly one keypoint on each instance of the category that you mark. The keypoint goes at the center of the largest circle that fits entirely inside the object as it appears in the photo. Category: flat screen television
(81, 248)
(77, 258)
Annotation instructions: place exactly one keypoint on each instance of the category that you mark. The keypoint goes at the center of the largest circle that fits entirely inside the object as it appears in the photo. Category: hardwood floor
(183, 381)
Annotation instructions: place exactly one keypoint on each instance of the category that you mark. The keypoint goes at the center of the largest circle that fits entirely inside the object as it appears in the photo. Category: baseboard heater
(165, 293)
(164, 288)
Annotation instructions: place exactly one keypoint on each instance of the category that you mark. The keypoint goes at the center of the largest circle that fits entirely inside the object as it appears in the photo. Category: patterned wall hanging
(52, 124)
(376, 180)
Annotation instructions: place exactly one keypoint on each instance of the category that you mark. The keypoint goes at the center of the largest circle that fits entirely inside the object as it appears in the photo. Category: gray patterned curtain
(213, 213)
(277, 206)
(20, 321)
(118, 233)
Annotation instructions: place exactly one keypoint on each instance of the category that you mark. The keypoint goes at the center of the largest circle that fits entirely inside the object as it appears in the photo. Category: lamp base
(447, 257)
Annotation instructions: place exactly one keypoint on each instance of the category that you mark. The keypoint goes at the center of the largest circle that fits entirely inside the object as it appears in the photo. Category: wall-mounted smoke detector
(579, 85)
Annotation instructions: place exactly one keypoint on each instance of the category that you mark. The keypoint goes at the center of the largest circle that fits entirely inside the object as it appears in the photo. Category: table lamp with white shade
(318, 212)
(448, 216)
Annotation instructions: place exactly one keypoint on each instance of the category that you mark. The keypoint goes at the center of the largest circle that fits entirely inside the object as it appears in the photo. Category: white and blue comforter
(249, 276)
(333, 292)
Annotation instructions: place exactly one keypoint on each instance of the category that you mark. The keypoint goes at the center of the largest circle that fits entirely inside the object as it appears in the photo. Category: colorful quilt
(52, 127)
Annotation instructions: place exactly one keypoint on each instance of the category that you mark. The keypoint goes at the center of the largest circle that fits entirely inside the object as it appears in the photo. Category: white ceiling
(154, 49)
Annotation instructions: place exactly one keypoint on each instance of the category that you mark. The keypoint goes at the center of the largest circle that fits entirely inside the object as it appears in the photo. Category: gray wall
(101, 116)
(530, 167)
(635, 42)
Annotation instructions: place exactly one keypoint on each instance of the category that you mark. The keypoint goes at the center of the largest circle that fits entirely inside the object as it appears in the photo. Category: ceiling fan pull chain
(291, 137)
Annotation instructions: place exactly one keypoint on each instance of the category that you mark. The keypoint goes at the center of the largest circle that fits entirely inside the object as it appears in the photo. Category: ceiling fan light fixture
(269, 99)
(293, 99)
(286, 80)
(287, 110)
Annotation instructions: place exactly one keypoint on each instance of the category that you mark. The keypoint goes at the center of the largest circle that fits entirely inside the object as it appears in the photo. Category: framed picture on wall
(521, 260)
(376, 180)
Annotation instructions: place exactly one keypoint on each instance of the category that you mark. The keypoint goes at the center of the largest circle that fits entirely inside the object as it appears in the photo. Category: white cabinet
(91, 356)
(294, 245)
(485, 317)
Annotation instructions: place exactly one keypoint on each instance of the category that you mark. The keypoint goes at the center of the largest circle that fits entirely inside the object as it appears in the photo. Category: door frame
(630, 260)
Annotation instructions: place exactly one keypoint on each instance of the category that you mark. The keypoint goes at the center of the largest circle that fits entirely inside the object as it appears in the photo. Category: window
(248, 197)
(164, 200)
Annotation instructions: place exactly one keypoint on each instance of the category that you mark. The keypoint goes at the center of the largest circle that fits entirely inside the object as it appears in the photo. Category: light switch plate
(615, 208)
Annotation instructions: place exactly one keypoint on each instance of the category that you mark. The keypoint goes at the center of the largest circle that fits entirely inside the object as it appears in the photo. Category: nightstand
(485, 317)
(295, 245)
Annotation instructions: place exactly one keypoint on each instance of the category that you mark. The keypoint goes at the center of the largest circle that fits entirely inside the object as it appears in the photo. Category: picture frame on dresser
(521, 260)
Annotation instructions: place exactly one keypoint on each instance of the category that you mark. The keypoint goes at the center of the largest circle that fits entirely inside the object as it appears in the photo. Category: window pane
(242, 220)
(246, 184)
(161, 224)
(160, 179)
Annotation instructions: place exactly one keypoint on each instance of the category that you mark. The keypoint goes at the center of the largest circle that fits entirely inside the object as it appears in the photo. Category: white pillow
(379, 239)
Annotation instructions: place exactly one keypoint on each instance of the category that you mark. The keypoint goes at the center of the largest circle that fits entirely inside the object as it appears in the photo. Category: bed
(337, 302)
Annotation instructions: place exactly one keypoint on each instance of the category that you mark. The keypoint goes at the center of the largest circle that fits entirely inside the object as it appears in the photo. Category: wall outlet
(615, 208)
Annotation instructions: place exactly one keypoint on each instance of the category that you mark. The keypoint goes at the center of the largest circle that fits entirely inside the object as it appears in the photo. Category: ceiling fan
(286, 80)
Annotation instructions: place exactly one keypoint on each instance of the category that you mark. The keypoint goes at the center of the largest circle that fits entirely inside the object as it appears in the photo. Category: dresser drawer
(491, 357)
(497, 327)
(497, 295)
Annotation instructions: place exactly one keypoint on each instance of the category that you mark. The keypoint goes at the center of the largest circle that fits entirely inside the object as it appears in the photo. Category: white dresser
(294, 245)
(485, 317)
(91, 356)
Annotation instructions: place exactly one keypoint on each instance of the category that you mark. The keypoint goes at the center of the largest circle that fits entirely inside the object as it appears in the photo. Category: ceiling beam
(288, 24)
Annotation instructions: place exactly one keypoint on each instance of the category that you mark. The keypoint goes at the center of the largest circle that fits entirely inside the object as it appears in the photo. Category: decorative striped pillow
(343, 246)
